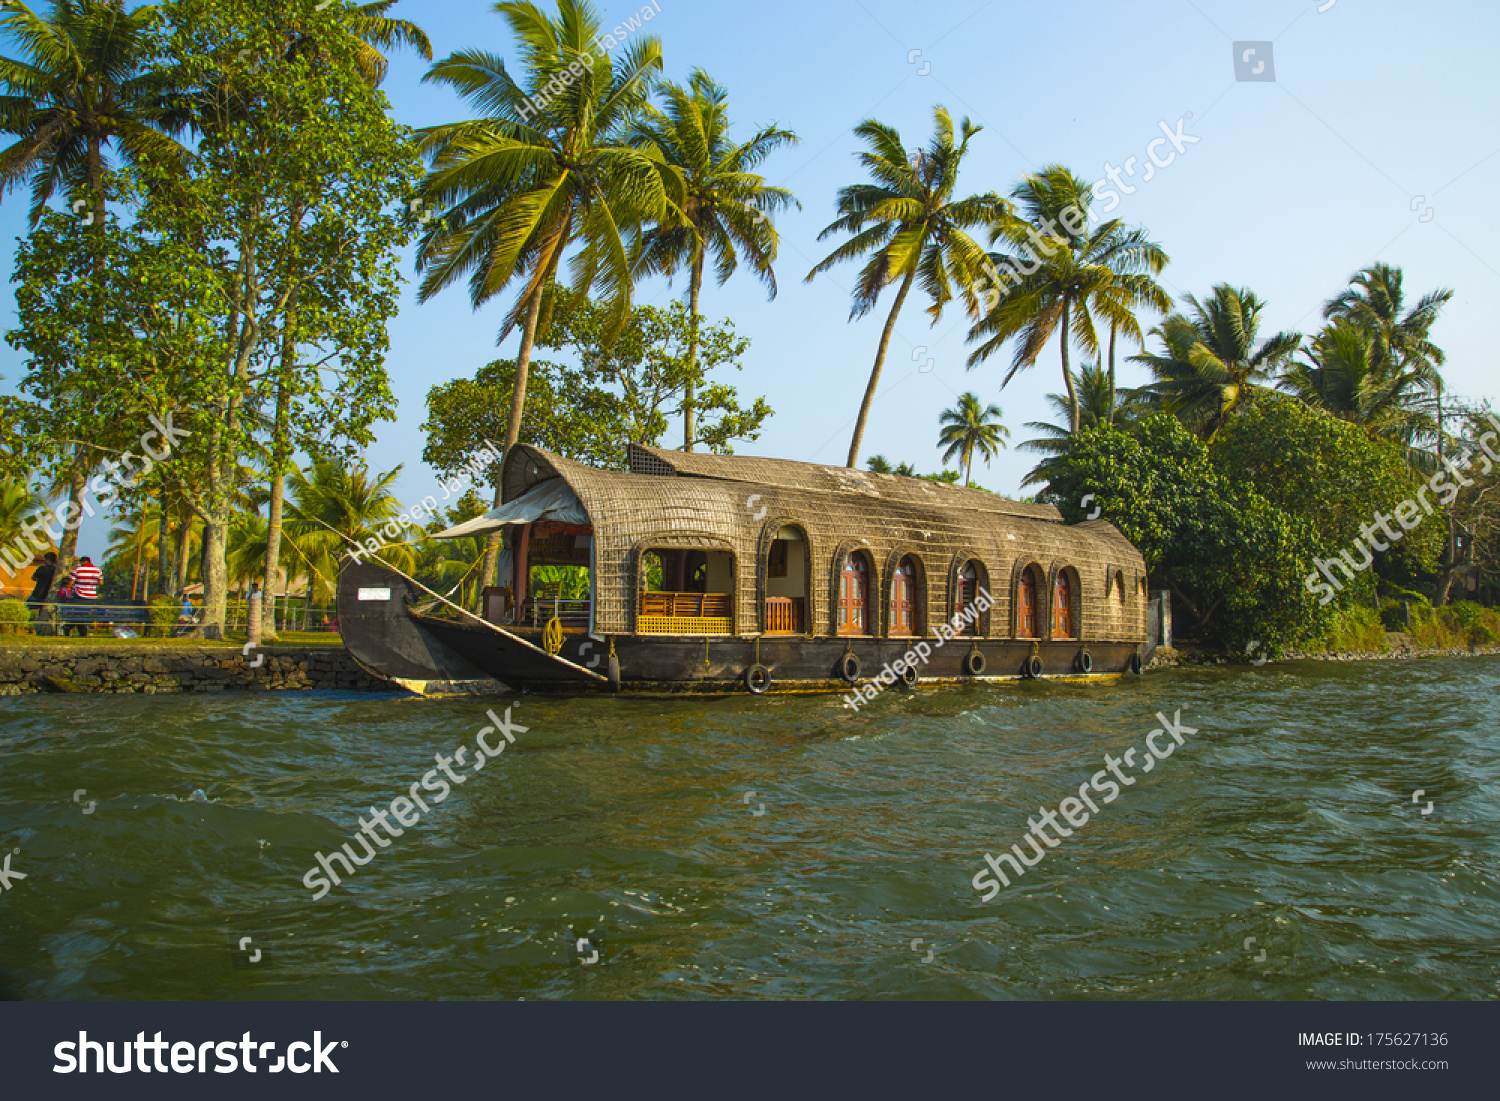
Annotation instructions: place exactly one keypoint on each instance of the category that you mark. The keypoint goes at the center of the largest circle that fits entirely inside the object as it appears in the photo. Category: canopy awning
(551, 500)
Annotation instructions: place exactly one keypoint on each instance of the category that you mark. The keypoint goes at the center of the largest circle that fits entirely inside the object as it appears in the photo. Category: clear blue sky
(1382, 114)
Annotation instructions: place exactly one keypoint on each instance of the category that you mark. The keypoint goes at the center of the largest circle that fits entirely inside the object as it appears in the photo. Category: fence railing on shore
(81, 616)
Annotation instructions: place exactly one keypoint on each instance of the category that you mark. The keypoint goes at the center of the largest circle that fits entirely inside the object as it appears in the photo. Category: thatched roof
(717, 502)
(838, 480)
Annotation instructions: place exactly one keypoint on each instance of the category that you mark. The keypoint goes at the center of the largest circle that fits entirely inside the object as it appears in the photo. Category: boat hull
(435, 656)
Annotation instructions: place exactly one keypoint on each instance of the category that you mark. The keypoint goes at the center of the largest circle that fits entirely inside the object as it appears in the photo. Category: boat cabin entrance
(788, 566)
(552, 576)
(686, 591)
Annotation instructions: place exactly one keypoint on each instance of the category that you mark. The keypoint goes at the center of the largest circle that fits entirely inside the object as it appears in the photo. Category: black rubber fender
(849, 667)
(757, 679)
(974, 663)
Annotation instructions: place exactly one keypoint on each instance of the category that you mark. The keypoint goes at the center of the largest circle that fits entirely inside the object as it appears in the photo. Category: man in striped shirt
(85, 583)
(86, 579)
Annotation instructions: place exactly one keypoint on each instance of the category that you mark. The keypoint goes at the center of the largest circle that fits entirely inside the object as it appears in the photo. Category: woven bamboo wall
(713, 501)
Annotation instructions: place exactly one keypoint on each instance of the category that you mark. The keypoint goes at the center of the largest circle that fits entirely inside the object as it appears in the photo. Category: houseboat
(721, 574)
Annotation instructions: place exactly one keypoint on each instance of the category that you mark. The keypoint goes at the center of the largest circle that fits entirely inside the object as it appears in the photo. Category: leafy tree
(290, 202)
(1065, 274)
(1230, 558)
(724, 206)
(910, 225)
(652, 368)
(971, 427)
(1210, 362)
(567, 416)
(300, 380)
(83, 88)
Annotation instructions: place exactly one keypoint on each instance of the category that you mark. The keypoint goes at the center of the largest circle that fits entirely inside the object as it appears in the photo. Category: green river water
(1288, 817)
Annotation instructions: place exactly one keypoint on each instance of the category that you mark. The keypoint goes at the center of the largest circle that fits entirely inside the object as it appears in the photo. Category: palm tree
(1079, 273)
(1374, 302)
(970, 427)
(1347, 374)
(1210, 361)
(378, 34)
(85, 85)
(1099, 403)
(910, 222)
(541, 170)
(336, 504)
(17, 505)
(725, 205)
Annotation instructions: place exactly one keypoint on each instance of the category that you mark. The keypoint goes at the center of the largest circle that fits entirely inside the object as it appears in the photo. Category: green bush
(1393, 615)
(1462, 624)
(15, 617)
(1358, 628)
(164, 613)
(1483, 634)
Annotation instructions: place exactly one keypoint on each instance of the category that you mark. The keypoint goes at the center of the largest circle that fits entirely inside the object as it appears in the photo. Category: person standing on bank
(42, 582)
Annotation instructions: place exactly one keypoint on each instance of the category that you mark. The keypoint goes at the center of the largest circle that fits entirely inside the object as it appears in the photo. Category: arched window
(968, 597)
(1062, 605)
(1120, 589)
(854, 595)
(1027, 612)
(904, 600)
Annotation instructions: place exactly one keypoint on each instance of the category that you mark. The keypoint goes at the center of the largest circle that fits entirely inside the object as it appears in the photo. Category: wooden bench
(686, 614)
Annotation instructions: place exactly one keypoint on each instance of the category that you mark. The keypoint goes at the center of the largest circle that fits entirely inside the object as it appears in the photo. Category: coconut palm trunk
(885, 344)
(1074, 410)
(1113, 329)
(690, 394)
(513, 426)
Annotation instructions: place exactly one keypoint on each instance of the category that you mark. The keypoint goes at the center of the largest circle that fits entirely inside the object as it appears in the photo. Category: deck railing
(572, 614)
(686, 614)
(784, 615)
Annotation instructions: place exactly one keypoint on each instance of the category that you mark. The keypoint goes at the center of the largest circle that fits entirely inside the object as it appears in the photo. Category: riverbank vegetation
(219, 253)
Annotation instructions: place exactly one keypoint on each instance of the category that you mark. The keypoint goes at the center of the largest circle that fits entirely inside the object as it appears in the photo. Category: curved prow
(374, 607)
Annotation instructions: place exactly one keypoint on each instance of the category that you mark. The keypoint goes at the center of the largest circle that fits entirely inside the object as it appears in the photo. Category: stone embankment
(159, 670)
